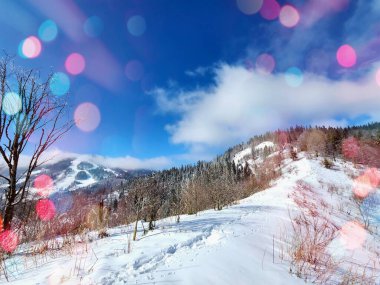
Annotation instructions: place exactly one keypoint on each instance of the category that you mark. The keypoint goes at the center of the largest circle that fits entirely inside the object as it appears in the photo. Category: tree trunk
(9, 209)
(11, 195)
(8, 216)
(135, 230)
(151, 222)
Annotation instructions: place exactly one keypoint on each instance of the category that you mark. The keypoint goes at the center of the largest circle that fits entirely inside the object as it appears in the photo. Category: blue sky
(181, 80)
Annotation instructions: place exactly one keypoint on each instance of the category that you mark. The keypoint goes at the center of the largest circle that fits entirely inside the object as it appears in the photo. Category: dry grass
(306, 246)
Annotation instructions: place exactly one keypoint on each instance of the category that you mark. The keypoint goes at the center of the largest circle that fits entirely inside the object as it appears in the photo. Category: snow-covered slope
(247, 157)
(246, 153)
(241, 244)
(242, 155)
(265, 144)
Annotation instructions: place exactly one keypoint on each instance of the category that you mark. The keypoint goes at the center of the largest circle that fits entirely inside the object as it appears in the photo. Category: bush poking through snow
(293, 154)
(103, 233)
(358, 275)
(327, 163)
(307, 248)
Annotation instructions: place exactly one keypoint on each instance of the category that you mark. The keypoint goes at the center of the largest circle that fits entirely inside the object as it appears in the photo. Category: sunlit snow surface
(232, 246)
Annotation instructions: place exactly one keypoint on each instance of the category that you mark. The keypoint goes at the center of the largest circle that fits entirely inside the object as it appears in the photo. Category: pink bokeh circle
(44, 185)
(8, 240)
(45, 209)
(75, 63)
(346, 56)
(87, 117)
(31, 47)
(270, 9)
(289, 16)
(265, 63)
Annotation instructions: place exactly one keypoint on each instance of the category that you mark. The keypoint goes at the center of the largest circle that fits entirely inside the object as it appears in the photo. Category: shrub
(327, 163)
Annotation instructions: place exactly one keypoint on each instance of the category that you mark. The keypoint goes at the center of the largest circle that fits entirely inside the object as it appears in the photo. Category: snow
(239, 157)
(262, 145)
(238, 245)
(65, 180)
(244, 157)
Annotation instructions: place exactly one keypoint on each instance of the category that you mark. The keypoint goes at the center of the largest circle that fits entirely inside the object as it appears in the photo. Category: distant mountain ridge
(72, 174)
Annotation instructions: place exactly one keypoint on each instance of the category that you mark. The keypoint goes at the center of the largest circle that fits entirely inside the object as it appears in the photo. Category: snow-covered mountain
(72, 173)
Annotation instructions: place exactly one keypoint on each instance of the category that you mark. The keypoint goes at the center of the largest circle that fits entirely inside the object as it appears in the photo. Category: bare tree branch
(41, 114)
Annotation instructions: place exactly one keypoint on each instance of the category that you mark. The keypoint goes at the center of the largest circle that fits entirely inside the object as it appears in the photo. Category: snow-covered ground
(262, 145)
(240, 244)
(239, 157)
(244, 157)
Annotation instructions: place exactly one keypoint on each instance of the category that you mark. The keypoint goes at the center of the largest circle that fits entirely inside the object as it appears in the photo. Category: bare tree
(28, 110)
(313, 141)
(137, 199)
(219, 186)
(156, 197)
(192, 194)
(316, 142)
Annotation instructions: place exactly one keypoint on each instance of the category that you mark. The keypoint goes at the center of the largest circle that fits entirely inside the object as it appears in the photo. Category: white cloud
(242, 103)
(200, 71)
(126, 162)
(129, 162)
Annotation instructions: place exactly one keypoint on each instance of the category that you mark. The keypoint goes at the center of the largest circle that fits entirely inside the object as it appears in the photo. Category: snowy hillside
(247, 156)
(240, 156)
(263, 145)
(251, 242)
